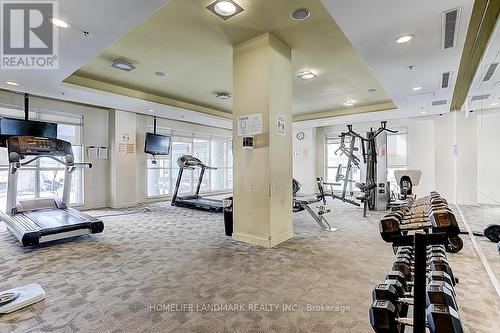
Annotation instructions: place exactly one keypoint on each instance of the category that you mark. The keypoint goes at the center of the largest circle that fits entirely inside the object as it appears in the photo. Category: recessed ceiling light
(404, 39)
(151, 110)
(306, 75)
(160, 74)
(372, 90)
(225, 9)
(123, 65)
(223, 96)
(59, 23)
(417, 88)
(495, 104)
(349, 102)
(12, 83)
(300, 14)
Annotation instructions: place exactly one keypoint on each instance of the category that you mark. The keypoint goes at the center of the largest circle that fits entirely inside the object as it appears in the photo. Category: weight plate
(492, 232)
(455, 244)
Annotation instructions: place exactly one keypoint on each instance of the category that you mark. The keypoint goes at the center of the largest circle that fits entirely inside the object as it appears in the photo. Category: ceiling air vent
(450, 28)
(490, 71)
(480, 97)
(445, 80)
(440, 102)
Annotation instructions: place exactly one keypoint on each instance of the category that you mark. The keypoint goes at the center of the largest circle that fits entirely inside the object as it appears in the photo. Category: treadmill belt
(56, 219)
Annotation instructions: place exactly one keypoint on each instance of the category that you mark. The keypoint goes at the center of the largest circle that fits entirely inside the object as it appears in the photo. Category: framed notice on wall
(250, 125)
(280, 124)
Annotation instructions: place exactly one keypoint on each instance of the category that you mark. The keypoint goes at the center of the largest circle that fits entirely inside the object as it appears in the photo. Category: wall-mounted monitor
(18, 127)
(157, 144)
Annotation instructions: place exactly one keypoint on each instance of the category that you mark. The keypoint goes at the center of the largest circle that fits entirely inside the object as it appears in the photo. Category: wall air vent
(480, 97)
(490, 71)
(445, 80)
(450, 28)
(440, 102)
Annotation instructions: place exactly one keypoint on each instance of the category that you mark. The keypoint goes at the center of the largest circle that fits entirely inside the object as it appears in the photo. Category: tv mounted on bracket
(157, 144)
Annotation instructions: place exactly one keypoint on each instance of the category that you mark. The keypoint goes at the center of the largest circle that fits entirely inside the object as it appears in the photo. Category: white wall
(421, 152)
(488, 156)
(304, 160)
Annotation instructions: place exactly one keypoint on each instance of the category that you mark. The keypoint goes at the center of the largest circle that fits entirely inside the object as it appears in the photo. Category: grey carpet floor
(170, 256)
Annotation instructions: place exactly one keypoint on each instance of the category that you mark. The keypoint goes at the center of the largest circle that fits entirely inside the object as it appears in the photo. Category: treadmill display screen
(157, 144)
(18, 127)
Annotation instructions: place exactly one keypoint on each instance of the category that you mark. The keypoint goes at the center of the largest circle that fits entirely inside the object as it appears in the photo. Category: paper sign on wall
(250, 125)
(125, 137)
(281, 124)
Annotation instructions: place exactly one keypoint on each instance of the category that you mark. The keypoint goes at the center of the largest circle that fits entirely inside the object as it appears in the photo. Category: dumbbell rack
(442, 225)
(420, 241)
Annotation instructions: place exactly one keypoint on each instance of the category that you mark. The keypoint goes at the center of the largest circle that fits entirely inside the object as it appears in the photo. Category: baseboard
(262, 241)
(282, 238)
(124, 205)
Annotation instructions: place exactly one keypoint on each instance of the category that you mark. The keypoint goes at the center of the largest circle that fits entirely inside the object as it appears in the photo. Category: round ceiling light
(404, 39)
(12, 83)
(372, 90)
(59, 23)
(160, 74)
(300, 14)
(225, 8)
(416, 88)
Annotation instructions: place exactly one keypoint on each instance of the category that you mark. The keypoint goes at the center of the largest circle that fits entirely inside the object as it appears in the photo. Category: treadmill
(194, 200)
(42, 220)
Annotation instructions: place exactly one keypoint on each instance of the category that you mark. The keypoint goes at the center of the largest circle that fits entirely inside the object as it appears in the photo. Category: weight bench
(303, 203)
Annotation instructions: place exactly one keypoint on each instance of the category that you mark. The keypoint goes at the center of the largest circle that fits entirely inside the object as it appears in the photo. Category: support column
(262, 183)
(122, 134)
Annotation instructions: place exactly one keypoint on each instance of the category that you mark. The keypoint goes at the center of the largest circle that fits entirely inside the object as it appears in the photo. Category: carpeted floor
(144, 266)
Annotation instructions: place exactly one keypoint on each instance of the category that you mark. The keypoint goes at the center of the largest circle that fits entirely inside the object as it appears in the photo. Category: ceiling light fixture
(372, 90)
(306, 75)
(423, 112)
(225, 9)
(160, 74)
(12, 83)
(417, 88)
(122, 65)
(349, 102)
(300, 14)
(223, 96)
(151, 110)
(404, 39)
(494, 104)
(59, 23)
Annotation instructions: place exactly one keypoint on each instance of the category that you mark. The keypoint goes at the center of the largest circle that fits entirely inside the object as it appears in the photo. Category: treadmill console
(36, 146)
(186, 161)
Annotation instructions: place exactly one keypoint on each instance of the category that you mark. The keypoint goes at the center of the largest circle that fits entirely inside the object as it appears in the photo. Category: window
(335, 158)
(397, 156)
(213, 151)
(45, 177)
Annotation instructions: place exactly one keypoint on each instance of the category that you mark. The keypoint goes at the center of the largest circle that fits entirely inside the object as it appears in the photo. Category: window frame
(190, 137)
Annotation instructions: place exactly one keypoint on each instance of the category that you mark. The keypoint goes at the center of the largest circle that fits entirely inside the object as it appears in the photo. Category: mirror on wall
(478, 160)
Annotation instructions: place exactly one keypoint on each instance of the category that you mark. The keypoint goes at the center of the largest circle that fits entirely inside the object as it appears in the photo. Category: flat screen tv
(157, 144)
(19, 127)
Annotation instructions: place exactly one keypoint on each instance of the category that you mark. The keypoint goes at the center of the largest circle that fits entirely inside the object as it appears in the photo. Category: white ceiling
(371, 26)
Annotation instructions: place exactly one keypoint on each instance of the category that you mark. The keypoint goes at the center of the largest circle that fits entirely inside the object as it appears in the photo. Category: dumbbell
(440, 318)
(434, 265)
(437, 293)
(442, 221)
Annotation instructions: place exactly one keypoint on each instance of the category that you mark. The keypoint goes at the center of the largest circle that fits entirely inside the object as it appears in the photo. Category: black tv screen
(157, 144)
(19, 127)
